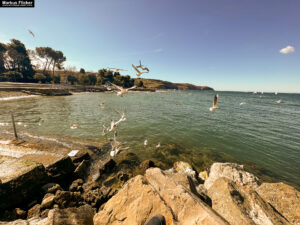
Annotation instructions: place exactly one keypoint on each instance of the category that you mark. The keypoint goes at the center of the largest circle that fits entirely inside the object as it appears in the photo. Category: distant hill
(160, 84)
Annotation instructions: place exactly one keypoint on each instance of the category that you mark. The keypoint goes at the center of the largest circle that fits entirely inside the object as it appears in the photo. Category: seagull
(279, 101)
(19, 123)
(74, 126)
(30, 32)
(123, 118)
(142, 67)
(122, 90)
(117, 69)
(145, 142)
(139, 73)
(104, 131)
(215, 104)
(242, 103)
(158, 145)
(116, 146)
(101, 105)
(276, 93)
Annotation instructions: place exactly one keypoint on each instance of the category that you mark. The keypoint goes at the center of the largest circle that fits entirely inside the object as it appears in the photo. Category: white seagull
(215, 103)
(242, 103)
(122, 90)
(139, 73)
(30, 32)
(74, 126)
(158, 145)
(145, 142)
(116, 146)
(279, 101)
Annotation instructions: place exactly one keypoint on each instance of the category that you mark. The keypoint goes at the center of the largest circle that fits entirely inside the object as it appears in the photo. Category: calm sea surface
(261, 133)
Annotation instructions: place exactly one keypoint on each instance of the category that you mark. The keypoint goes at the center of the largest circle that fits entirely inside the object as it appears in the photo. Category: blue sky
(225, 44)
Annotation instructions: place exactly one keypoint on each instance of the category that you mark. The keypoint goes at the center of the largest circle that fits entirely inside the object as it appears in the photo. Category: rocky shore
(57, 185)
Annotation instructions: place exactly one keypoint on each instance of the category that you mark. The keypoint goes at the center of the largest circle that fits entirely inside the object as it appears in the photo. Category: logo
(16, 3)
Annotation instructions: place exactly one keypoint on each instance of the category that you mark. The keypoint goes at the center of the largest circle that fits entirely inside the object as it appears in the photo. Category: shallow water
(261, 132)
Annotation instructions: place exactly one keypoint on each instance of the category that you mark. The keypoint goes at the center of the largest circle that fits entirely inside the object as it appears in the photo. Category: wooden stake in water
(14, 125)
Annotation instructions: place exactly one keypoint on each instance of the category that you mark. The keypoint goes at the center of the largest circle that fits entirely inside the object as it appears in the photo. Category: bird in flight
(139, 73)
(117, 69)
(215, 103)
(30, 32)
(122, 90)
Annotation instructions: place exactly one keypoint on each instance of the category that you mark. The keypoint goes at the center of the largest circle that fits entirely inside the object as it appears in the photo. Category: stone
(48, 201)
(21, 214)
(21, 181)
(82, 215)
(61, 169)
(97, 197)
(80, 156)
(82, 169)
(107, 166)
(51, 188)
(143, 197)
(146, 164)
(67, 199)
(76, 185)
(241, 205)
(284, 198)
(233, 172)
(203, 175)
(184, 167)
(34, 211)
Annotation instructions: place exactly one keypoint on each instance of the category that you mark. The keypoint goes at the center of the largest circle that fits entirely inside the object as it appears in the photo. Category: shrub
(41, 78)
(13, 76)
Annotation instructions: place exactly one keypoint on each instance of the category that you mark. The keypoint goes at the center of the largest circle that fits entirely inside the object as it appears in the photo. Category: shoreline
(86, 174)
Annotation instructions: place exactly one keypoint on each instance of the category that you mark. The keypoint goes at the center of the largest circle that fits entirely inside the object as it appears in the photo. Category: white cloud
(288, 49)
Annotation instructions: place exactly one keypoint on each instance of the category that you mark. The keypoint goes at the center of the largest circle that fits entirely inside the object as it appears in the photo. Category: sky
(238, 45)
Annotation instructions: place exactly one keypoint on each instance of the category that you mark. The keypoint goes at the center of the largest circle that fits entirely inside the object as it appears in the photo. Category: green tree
(13, 76)
(72, 79)
(56, 79)
(41, 78)
(92, 79)
(2, 52)
(81, 70)
(17, 59)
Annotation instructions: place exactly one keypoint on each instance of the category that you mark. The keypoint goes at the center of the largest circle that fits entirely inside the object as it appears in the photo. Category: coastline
(92, 180)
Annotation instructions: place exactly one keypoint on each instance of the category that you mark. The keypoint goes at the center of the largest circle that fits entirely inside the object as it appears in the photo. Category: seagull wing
(31, 33)
(135, 69)
(116, 86)
(132, 88)
(215, 101)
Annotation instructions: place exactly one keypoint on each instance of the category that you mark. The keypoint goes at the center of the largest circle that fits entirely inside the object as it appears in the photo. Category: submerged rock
(233, 172)
(155, 193)
(146, 164)
(284, 198)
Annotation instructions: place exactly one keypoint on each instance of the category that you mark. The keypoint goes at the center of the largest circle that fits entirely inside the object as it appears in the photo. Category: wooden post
(14, 125)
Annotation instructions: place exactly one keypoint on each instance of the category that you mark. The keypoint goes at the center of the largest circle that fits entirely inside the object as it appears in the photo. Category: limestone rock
(21, 181)
(156, 193)
(51, 188)
(65, 199)
(241, 205)
(82, 169)
(146, 164)
(34, 211)
(76, 185)
(233, 172)
(284, 198)
(107, 166)
(184, 167)
(60, 169)
(48, 201)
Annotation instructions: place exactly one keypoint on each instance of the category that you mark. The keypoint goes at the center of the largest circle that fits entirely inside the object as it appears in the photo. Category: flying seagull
(122, 90)
(117, 69)
(30, 32)
(215, 104)
(142, 67)
(139, 73)
(116, 146)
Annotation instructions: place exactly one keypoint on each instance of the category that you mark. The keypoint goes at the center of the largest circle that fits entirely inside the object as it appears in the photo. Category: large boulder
(143, 197)
(61, 169)
(21, 181)
(284, 198)
(233, 172)
(241, 205)
(70, 216)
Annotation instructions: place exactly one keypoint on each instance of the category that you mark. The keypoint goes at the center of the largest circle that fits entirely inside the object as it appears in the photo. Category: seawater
(262, 134)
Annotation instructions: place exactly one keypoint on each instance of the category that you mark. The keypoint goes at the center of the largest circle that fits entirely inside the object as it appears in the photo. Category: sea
(259, 130)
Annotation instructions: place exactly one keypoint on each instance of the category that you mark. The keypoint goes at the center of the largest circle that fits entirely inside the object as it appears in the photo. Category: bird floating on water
(101, 105)
(74, 126)
(279, 101)
(158, 145)
(215, 103)
(242, 103)
(145, 142)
